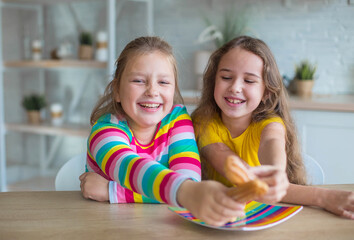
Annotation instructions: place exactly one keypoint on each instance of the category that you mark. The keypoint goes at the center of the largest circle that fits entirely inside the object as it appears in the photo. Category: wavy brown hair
(275, 101)
(139, 46)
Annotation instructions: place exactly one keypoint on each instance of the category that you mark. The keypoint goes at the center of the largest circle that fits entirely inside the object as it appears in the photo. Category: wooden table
(67, 215)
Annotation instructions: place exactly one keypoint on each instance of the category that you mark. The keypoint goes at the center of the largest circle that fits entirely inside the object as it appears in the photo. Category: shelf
(55, 64)
(190, 97)
(46, 2)
(51, 2)
(48, 129)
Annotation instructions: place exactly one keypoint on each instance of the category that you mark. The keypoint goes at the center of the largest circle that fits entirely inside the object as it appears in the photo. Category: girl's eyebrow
(135, 73)
(224, 70)
(252, 74)
(246, 73)
(163, 75)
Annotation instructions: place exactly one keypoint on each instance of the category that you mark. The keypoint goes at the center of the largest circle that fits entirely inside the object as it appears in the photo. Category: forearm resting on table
(94, 186)
(336, 201)
(304, 195)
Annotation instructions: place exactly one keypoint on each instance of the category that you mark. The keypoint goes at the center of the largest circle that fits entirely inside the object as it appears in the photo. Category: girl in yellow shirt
(244, 112)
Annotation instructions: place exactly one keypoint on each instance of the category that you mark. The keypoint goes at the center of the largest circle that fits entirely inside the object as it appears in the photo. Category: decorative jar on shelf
(56, 113)
(36, 50)
(201, 59)
(101, 54)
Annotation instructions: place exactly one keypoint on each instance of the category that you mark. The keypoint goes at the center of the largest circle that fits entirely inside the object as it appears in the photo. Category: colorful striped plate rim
(258, 216)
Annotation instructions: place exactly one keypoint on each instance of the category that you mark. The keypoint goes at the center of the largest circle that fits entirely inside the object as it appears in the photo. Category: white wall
(322, 31)
(319, 30)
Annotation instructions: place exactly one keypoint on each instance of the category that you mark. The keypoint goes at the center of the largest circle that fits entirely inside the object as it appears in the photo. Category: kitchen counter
(338, 103)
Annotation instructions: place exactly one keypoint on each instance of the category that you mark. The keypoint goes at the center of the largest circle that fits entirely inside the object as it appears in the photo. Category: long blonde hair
(275, 103)
(142, 45)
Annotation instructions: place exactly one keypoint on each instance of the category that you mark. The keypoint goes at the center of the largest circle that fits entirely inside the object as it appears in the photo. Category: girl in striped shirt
(142, 147)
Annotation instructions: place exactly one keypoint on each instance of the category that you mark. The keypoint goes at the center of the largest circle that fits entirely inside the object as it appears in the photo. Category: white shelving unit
(46, 129)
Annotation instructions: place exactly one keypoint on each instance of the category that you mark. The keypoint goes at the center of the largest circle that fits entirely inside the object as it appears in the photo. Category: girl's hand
(94, 186)
(276, 179)
(208, 201)
(338, 202)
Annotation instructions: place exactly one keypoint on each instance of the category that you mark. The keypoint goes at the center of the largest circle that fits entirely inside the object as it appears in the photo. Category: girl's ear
(117, 98)
(265, 97)
(115, 89)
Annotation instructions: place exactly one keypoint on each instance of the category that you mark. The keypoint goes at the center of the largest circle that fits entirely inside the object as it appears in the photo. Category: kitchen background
(321, 31)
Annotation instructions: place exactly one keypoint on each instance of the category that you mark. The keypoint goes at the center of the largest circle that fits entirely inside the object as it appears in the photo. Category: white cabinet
(46, 129)
(328, 136)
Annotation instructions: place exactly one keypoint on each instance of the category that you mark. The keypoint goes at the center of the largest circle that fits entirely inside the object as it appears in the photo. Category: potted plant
(304, 78)
(85, 49)
(33, 104)
(233, 24)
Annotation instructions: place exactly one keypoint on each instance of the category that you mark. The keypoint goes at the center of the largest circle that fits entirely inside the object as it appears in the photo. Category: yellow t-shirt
(246, 145)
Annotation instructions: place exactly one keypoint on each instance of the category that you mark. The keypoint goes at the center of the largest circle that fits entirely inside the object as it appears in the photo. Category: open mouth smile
(234, 101)
(150, 105)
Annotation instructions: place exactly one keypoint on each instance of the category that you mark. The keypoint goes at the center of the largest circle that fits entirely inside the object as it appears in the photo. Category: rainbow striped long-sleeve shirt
(149, 173)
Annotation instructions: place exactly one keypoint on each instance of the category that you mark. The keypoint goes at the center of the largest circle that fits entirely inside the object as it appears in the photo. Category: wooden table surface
(67, 215)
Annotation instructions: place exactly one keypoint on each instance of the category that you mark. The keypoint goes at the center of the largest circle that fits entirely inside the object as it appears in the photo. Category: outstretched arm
(272, 151)
(208, 201)
(275, 177)
(272, 146)
(215, 154)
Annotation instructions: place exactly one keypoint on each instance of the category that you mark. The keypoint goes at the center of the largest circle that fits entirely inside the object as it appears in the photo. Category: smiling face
(146, 90)
(239, 85)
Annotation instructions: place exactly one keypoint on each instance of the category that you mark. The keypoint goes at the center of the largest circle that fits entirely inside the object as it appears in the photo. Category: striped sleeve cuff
(112, 190)
(178, 183)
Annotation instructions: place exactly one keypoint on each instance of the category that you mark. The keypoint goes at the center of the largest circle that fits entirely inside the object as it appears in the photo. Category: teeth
(233, 100)
(150, 105)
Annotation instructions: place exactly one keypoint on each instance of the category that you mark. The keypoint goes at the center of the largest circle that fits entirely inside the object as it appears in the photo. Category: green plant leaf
(232, 25)
(305, 70)
(34, 102)
(85, 38)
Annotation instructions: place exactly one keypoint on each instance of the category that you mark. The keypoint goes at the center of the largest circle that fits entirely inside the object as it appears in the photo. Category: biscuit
(248, 187)
(248, 191)
(236, 172)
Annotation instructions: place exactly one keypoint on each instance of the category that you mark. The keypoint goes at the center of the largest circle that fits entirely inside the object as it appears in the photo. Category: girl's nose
(236, 87)
(152, 90)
